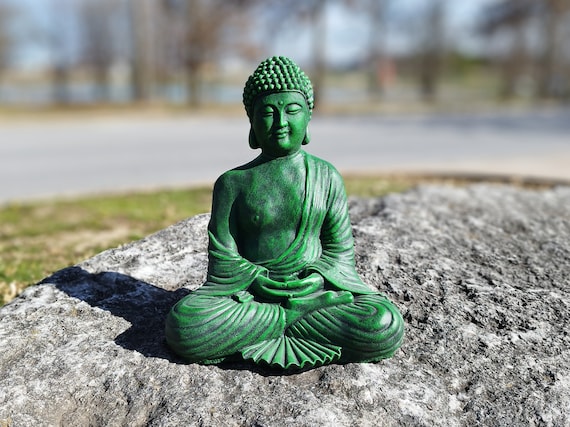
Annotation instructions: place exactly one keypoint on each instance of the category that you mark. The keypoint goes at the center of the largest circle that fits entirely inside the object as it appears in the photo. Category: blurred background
(112, 112)
(106, 95)
(357, 52)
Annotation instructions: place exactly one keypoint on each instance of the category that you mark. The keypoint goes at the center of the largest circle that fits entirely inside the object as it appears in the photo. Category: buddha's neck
(296, 156)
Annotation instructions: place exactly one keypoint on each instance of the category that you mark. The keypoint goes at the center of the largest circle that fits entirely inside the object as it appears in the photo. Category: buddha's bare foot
(295, 308)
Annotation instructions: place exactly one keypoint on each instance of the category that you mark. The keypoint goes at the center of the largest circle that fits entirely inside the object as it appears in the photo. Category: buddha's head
(278, 99)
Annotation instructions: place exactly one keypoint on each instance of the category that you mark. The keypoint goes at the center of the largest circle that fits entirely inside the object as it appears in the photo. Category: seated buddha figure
(281, 288)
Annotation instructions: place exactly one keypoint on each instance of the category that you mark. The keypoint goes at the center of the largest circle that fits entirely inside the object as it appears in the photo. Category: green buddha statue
(282, 288)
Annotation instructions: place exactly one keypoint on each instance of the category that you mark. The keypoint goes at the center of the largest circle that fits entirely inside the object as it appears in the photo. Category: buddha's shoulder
(230, 178)
(323, 166)
(233, 179)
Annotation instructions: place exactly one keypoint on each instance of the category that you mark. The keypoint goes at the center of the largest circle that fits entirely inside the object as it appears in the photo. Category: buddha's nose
(282, 119)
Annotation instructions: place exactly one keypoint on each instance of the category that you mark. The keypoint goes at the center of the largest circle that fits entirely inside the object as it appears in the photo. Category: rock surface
(481, 275)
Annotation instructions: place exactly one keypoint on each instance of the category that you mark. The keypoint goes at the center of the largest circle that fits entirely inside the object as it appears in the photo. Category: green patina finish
(282, 288)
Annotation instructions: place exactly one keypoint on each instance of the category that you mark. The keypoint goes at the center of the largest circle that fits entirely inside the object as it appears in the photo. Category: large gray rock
(479, 273)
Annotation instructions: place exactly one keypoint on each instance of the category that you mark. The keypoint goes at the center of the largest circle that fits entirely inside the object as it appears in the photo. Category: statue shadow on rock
(143, 305)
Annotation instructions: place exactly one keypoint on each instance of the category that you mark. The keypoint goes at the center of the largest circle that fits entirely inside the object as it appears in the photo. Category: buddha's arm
(336, 233)
(222, 224)
(228, 271)
(336, 263)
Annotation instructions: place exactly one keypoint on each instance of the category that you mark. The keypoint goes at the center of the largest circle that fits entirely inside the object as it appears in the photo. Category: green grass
(37, 239)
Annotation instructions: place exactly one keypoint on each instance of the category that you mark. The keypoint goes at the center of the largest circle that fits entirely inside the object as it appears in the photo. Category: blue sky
(346, 39)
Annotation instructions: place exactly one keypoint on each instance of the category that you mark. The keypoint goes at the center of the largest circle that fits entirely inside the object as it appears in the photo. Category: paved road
(68, 157)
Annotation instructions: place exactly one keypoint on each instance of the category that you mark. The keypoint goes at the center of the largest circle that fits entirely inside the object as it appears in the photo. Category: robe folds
(226, 318)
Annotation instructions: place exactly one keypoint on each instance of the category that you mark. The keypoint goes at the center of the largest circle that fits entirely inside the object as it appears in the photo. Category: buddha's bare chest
(272, 202)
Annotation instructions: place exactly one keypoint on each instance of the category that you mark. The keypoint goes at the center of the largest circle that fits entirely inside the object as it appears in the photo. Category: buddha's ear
(307, 138)
(253, 139)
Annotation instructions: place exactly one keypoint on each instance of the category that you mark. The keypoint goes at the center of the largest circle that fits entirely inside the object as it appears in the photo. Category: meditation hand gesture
(290, 288)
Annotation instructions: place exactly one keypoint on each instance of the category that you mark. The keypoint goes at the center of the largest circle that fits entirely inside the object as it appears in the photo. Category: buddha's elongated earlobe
(307, 138)
(252, 139)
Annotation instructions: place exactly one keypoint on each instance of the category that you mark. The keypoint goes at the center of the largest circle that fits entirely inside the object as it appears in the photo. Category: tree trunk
(431, 53)
(318, 19)
(140, 40)
(429, 73)
(514, 62)
(378, 62)
(195, 49)
(548, 58)
(194, 86)
(60, 85)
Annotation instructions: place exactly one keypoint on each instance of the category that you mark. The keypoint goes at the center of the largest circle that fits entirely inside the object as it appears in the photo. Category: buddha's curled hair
(276, 74)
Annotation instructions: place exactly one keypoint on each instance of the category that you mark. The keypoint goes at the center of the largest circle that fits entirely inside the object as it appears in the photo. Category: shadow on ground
(143, 305)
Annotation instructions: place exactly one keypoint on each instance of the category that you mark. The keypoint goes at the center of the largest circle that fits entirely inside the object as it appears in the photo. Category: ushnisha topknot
(276, 74)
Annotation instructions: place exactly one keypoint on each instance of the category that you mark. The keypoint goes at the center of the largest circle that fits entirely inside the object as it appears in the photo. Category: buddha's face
(280, 122)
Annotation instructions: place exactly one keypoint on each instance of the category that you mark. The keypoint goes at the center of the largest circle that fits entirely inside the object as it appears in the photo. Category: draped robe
(227, 317)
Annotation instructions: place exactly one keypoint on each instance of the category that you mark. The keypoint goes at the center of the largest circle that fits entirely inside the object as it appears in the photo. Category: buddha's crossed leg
(368, 329)
(208, 329)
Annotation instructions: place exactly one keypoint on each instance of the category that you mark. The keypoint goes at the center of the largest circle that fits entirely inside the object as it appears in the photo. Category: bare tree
(304, 12)
(59, 44)
(549, 65)
(509, 20)
(98, 41)
(377, 57)
(207, 22)
(6, 39)
(142, 48)
(317, 19)
(171, 29)
(202, 38)
(516, 18)
(5, 36)
(173, 37)
(431, 48)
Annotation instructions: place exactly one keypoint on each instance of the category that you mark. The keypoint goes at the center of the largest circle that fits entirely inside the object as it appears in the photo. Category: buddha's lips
(282, 133)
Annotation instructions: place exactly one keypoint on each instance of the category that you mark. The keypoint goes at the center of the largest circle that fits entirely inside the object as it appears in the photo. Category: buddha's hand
(279, 290)
(313, 281)
(266, 282)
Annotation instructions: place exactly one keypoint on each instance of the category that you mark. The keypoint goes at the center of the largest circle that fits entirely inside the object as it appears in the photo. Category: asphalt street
(66, 156)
